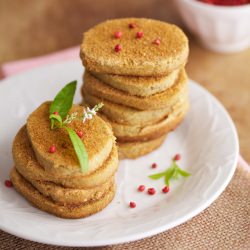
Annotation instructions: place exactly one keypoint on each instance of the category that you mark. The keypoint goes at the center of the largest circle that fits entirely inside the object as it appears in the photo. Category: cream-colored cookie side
(139, 85)
(74, 196)
(133, 150)
(127, 115)
(127, 133)
(63, 211)
(164, 99)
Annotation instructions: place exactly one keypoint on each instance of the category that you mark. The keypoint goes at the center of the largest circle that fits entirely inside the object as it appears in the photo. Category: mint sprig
(55, 119)
(64, 100)
(173, 172)
(80, 149)
(62, 104)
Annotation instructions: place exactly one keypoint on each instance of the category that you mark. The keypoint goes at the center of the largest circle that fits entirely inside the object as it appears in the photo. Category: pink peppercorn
(132, 25)
(154, 165)
(8, 183)
(157, 41)
(118, 48)
(177, 157)
(118, 34)
(132, 204)
(52, 149)
(165, 189)
(151, 191)
(141, 188)
(79, 133)
(139, 34)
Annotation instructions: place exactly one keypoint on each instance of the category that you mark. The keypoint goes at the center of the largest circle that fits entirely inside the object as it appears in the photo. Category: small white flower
(89, 113)
(87, 116)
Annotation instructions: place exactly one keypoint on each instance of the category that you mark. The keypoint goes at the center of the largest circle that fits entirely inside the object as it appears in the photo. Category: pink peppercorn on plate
(204, 146)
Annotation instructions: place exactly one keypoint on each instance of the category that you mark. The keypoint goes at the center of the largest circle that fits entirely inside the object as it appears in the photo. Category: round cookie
(26, 163)
(164, 99)
(98, 140)
(127, 133)
(138, 56)
(74, 196)
(127, 115)
(139, 85)
(63, 211)
(133, 150)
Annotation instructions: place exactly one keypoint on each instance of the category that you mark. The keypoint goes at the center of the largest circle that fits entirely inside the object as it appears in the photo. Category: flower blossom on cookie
(89, 113)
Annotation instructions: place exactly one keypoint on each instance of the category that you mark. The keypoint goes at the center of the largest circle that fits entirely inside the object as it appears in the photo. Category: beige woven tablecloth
(224, 225)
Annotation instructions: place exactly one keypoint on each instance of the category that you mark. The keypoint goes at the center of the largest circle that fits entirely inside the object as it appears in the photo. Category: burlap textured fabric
(225, 225)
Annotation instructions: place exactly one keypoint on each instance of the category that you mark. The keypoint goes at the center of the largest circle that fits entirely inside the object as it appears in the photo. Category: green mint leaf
(183, 172)
(55, 118)
(52, 123)
(180, 171)
(64, 100)
(166, 181)
(175, 174)
(79, 148)
(174, 164)
(157, 176)
(168, 175)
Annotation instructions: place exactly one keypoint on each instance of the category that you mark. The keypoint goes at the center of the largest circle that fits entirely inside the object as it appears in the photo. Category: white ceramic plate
(207, 141)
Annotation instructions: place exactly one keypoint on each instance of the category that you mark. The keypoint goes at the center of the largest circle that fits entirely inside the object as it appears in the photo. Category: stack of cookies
(51, 178)
(135, 66)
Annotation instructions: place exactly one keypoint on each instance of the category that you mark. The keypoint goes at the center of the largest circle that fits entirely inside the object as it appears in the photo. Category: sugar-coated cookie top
(134, 46)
